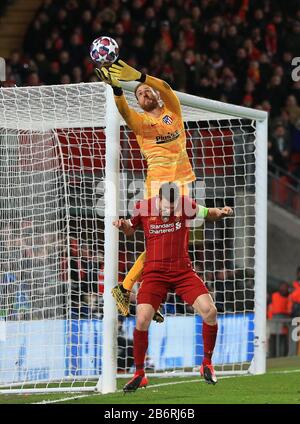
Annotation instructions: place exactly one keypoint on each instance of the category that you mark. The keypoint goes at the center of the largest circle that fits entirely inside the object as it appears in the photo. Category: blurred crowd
(3, 5)
(282, 306)
(286, 300)
(237, 51)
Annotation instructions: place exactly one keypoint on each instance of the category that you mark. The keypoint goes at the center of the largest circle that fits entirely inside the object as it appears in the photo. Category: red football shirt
(166, 238)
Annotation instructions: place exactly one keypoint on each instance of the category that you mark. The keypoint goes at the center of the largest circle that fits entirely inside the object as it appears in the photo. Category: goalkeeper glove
(124, 72)
(106, 77)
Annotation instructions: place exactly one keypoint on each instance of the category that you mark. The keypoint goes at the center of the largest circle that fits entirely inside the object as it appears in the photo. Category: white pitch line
(45, 402)
(284, 371)
(171, 383)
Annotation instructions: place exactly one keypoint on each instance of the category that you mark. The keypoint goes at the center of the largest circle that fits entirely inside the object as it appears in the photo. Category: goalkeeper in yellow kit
(161, 137)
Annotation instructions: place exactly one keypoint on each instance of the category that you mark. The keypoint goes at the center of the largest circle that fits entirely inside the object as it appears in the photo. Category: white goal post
(68, 167)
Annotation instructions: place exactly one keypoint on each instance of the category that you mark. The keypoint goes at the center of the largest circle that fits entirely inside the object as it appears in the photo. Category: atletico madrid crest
(167, 119)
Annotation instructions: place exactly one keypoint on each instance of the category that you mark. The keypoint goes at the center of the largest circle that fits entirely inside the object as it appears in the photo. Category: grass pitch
(281, 384)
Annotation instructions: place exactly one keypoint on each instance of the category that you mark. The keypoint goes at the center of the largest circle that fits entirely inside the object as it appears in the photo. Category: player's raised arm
(213, 214)
(192, 210)
(124, 72)
(125, 226)
(130, 116)
(128, 226)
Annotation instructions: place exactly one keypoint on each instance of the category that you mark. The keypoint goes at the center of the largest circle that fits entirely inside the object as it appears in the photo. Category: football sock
(140, 346)
(135, 272)
(209, 334)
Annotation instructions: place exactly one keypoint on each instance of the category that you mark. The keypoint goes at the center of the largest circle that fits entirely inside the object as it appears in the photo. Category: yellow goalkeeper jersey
(162, 140)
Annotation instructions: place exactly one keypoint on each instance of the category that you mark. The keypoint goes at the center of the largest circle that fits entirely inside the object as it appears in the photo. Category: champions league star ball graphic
(104, 51)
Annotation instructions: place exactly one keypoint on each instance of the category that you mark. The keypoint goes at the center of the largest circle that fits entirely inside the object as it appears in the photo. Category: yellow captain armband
(202, 212)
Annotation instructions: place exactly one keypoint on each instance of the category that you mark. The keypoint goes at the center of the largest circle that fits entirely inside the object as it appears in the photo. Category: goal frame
(107, 381)
(258, 364)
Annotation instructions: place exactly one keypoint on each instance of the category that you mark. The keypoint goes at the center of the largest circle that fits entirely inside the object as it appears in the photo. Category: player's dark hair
(169, 191)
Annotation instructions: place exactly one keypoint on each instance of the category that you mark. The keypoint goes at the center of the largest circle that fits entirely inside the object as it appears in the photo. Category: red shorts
(157, 282)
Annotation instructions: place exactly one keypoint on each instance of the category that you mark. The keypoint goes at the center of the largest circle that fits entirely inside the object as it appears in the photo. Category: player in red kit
(168, 267)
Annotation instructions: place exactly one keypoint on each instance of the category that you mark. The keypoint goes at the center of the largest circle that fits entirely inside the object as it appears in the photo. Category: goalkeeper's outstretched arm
(130, 116)
(120, 71)
(124, 72)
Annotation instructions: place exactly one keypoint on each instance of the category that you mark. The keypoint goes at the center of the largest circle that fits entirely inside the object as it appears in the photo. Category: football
(104, 51)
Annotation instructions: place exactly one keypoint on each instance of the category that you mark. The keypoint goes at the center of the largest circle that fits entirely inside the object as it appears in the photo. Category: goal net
(68, 167)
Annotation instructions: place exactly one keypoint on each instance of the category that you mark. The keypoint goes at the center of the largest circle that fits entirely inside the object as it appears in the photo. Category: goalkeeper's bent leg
(121, 293)
(135, 272)
(122, 296)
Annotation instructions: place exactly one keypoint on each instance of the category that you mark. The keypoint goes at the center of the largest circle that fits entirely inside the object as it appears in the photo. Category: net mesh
(52, 159)
(52, 174)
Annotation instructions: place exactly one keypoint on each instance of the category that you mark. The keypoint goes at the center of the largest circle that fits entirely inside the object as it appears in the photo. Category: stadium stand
(14, 23)
(239, 52)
